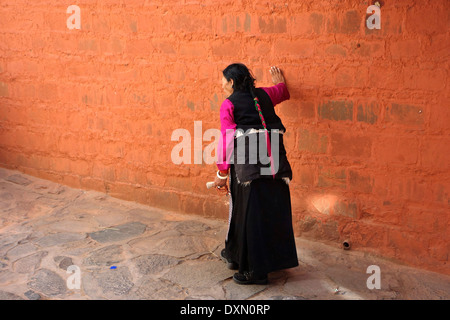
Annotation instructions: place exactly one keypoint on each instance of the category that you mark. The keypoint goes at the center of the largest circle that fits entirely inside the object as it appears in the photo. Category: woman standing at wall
(260, 237)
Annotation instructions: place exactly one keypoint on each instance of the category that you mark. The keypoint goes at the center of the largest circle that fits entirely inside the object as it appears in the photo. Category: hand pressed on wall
(277, 75)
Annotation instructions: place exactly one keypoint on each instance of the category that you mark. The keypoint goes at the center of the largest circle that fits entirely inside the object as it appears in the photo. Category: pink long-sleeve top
(277, 93)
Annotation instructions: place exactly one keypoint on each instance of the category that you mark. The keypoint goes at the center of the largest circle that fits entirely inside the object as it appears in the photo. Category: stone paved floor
(52, 235)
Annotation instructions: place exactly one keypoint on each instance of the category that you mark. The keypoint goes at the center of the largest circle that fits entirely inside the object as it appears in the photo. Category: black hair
(243, 79)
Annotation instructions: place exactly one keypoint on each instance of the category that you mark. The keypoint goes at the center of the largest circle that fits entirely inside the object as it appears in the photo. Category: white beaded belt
(241, 132)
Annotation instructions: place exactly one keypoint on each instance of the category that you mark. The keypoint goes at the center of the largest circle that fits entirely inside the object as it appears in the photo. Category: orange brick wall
(368, 120)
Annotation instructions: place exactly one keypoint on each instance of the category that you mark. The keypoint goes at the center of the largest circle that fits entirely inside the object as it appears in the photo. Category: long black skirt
(260, 235)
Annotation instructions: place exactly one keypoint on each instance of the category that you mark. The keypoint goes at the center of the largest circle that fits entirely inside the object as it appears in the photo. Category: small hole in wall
(346, 245)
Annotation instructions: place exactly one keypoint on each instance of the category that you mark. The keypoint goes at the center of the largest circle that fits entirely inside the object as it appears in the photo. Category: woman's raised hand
(277, 75)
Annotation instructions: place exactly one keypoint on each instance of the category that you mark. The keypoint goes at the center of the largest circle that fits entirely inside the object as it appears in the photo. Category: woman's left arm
(226, 142)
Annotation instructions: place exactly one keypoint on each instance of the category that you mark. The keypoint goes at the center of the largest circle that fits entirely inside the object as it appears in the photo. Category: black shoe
(230, 264)
(249, 278)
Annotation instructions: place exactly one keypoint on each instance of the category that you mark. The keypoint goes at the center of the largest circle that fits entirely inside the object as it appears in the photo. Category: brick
(41, 163)
(193, 205)
(180, 183)
(133, 26)
(164, 199)
(139, 156)
(382, 77)
(438, 46)
(348, 23)
(103, 172)
(174, 73)
(307, 109)
(190, 105)
(439, 249)
(396, 150)
(225, 48)
(116, 149)
(125, 191)
(231, 23)
(312, 141)
(310, 226)
(369, 49)
(80, 167)
(205, 70)
(407, 244)
(46, 91)
(306, 23)
(8, 21)
(165, 46)
(419, 219)
(193, 49)
(88, 45)
(289, 140)
(332, 177)
(137, 176)
(113, 45)
(363, 235)
(344, 78)
(23, 67)
(350, 145)
(61, 165)
(360, 182)
(214, 208)
(427, 20)
(247, 22)
(346, 209)
(404, 114)
(148, 22)
(294, 48)
(306, 223)
(336, 50)
(336, 110)
(351, 22)
(4, 91)
(331, 230)
(302, 173)
(316, 22)
(139, 47)
(386, 213)
(408, 187)
(272, 24)
(349, 77)
(66, 92)
(333, 24)
(90, 183)
(225, 23)
(405, 48)
(16, 115)
(187, 23)
(288, 110)
(368, 112)
(441, 192)
(435, 153)
(72, 181)
(424, 79)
